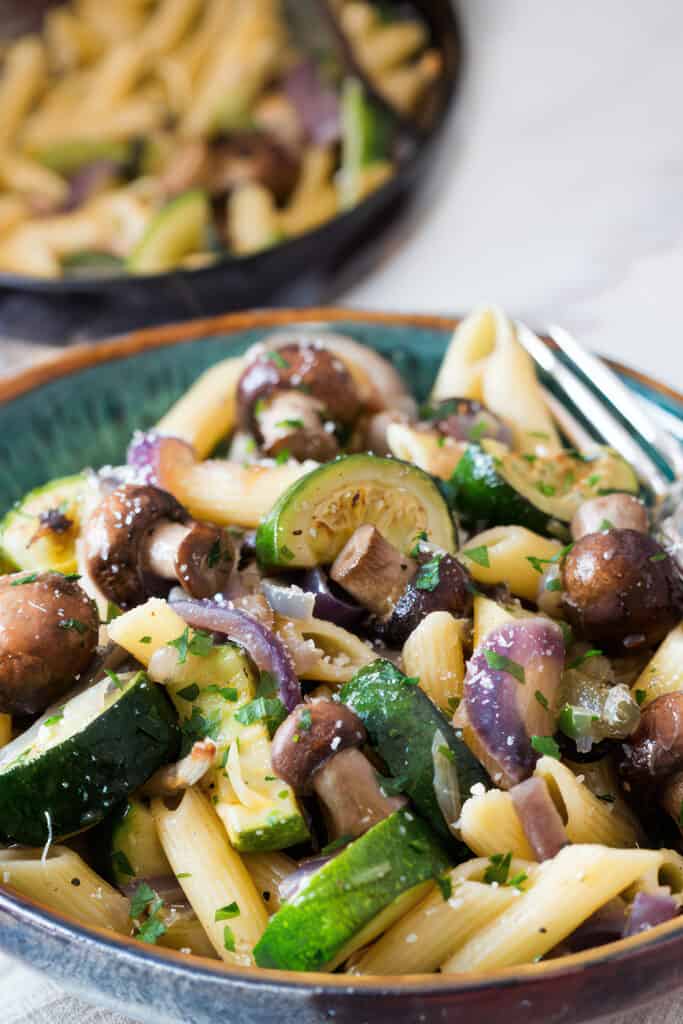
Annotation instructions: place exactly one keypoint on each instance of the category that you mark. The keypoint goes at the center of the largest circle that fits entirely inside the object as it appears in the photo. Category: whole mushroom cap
(311, 735)
(450, 592)
(114, 535)
(621, 589)
(48, 634)
(308, 368)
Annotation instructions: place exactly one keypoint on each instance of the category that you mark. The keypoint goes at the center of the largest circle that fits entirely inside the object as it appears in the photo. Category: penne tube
(212, 875)
(387, 46)
(13, 210)
(228, 493)
(433, 653)
(206, 413)
(664, 672)
(168, 24)
(323, 651)
(566, 891)
(22, 81)
(21, 174)
(488, 615)
(144, 629)
(267, 871)
(587, 818)
(253, 220)
(404, 86)
(427, 449)
(63, 881)
(184, 932)
(489, 824)
(69, 40)
(508, 549)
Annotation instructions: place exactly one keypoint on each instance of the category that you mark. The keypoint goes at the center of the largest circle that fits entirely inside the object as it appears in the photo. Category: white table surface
(558, 195)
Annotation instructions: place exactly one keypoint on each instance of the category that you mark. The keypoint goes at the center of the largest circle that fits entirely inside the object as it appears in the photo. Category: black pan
(310, 269)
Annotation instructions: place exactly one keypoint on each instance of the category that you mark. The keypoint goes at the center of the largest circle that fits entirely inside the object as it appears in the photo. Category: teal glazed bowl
(81, 409)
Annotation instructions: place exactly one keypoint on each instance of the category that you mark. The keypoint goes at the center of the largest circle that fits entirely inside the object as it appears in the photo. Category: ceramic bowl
(81, 409)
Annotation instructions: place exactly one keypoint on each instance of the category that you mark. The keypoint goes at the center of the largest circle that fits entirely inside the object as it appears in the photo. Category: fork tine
(569, 425)
(595, 411)
(623, 401)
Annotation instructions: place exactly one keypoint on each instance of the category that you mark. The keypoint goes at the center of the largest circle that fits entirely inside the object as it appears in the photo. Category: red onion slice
(605, 925)
(446, 783)
(341, 611)
(154, 457)
(540, 818)
(316, 104)
(267, 650)
(290, 887)
(647, 911)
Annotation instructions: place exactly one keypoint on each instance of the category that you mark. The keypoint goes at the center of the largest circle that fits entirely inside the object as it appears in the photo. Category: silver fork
(637, 443)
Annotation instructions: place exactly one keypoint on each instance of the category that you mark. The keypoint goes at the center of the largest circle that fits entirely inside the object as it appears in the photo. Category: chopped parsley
(76, 624)
(145, 640)
(541, 434)
(658, 557)
(606, 524)
(200, 644)
(214, 554)
(279, 360)
(190, 692)
(422, 535)
(54, 719)
(577, 662)
(31, 578)
(284, 455)
(542, 699)
(142, 898)
(640, 697)
(392, 787)
(228, 939)
(226, 913)
(549, 490)
(498, 868)
(305, 720)
(576, 721)
(440, 441)
(184, 874)
(290, 424)
(428, 574)
(477, 431)
(546, 745)
(553, 584)
(606, 798)
(113, 612)
(269, 710)
(115, 678)
(453, 703)
(445, 885)
(447, 753)
(287, 553)
(198, 727)
(593, 479)
(267, 685)
(226, 692)
(480, 555)
(501, 663)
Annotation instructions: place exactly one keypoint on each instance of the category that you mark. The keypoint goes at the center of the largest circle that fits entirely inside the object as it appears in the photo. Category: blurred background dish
(179, 157)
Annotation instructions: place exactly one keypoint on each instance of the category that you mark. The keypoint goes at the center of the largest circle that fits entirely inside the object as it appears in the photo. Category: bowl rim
(40, 916)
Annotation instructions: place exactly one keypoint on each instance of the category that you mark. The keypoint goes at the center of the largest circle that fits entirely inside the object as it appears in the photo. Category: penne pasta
(508, 550)
(212, 875)
(427, 449)
(322, 650)
(489, 825)
(253, 221)
(267, 871)
(664, 672)
(155, 620)
(206, 412)
(22, 81)
(62, 880)
(433, 653)
(566, 891)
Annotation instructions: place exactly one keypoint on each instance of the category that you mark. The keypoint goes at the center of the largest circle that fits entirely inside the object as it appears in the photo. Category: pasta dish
(148, 135)
(321, 680)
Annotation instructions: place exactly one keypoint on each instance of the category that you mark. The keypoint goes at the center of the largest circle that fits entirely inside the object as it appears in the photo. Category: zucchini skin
(77, 783)
(343, 896)
(483, 498)
(401, 722)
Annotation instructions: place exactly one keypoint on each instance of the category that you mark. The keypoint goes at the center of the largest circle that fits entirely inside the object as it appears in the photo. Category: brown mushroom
(372, 570)
(139, 536)
(250, 156)
(316, 749)
(441, 584)
(610, 512)
(48, 635)
(655, 751)
(307, 378)
(621, 590)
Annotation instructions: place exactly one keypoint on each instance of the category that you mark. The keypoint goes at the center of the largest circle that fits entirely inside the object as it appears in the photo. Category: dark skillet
(307, 270)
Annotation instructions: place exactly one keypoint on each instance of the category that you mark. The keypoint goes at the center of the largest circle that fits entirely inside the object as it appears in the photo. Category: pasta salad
(323, 681)
(138, 137)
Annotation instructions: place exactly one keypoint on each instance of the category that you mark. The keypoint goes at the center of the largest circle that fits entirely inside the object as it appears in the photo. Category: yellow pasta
(566, 891)
(489, 824)
(154, 619)
(427, 449)
(252, 219)
(433, 653)
(664, 672)
(267, 871)
(485, 361)
(22, 80)
(168, 25)
(50, 879)
(508, 551)
(21, 174)
(436, 927)
(5, 729)
(488, 615)
(69, 40)
(315, 198)
(206, 413)
(13, 209)
(587, 818)
(212, 875)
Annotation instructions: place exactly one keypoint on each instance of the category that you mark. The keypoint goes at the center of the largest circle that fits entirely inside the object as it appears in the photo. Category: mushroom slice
(372, 570)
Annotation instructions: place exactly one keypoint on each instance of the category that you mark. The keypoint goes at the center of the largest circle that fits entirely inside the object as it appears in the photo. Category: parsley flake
(577, 662)
(283, 456)
(502, 663)
(542, 699)
(290, 424)
(428, 574)
(640, 697)
(480, 555)
(76, 624)
(445, 885)
(415, 551)
(546, 745)
(121, 863)
(115, 679)
(226, 913)
(31, 578)
(190, 692)
(228, 939)
(270, 710)
(498, 869)
(660, 556)
(606, 524)
(279, 360)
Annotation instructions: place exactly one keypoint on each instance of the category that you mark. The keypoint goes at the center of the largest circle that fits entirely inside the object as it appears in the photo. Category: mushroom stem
(347, 786)
(162, 548)
(292, 421)
(372, 570)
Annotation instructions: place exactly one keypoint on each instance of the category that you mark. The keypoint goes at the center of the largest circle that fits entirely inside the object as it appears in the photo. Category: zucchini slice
(70, 156)
(312, 521)
(74, 764)
(401, 722)
(39, 533)
(366, 134)
(129, 845)
(494, 486)
(176, 231)
(353, 897)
